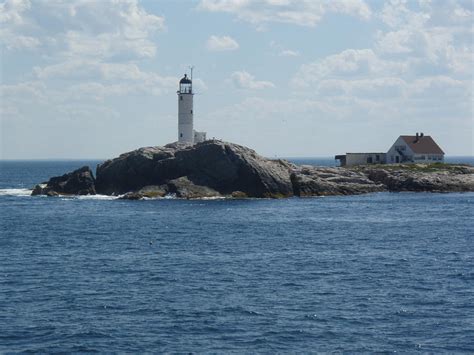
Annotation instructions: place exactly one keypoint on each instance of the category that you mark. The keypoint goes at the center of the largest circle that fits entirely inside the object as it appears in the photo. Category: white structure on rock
(406, 149)
(186, 132)
(415, 149)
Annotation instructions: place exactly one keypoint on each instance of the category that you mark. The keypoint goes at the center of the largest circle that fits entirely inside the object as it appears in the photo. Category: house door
(397, 159)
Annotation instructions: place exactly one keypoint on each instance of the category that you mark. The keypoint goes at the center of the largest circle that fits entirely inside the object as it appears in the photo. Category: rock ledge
(220, 169)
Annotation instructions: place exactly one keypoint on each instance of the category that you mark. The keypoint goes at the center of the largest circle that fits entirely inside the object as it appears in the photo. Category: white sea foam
(91, 197)
(213, 198)
(97, 197)
(15, 192)
(27, 192)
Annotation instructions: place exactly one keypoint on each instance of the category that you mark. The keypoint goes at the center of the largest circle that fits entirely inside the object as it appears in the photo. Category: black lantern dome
(185, 80)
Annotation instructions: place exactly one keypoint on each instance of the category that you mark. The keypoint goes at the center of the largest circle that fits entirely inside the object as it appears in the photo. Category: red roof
(422, 145)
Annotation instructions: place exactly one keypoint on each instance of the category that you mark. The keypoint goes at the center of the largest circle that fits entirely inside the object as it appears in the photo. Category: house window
(181, 97)
(191, 111)
(392, 158)
(181, 135)
(369, 160)
(377, 157)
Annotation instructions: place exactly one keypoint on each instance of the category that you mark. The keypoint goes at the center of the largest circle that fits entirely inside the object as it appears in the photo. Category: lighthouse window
(191, 111)
(181, 98)
(181, 135)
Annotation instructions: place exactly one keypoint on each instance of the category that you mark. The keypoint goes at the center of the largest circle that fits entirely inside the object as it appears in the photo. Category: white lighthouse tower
(185, 111)
(186, 132)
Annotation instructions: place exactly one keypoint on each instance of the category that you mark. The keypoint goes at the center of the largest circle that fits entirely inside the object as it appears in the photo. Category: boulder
(132, 171)
(219, 166)
(78, 182)
(152, 191)
(184, 188)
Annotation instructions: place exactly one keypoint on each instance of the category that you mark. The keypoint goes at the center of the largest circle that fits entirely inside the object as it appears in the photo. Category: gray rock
(423, 177)
(78, 182)
(323, 181)
(215, 168)
(220, 166)
(131, 196)
(40, 189)
(151, 191)
(132, 171)
(184, 188)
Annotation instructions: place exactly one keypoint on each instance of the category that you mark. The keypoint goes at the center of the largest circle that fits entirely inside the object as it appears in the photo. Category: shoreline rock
(220, 169)
(419, 178)
(218, 166)
(78, 182)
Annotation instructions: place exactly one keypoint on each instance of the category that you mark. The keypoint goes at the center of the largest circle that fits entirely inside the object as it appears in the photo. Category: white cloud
(351, 63)
(437, 36)
(221, 43)
(92, 50)
(289, 53)
(282, 51)
(298, 12)
(418, 73)
(244, 80)
(80, 28)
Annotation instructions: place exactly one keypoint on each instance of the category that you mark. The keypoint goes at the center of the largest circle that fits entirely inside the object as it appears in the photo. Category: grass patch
(419, 167)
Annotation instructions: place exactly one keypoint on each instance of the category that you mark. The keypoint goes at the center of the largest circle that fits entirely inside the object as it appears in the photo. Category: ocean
(379, 272)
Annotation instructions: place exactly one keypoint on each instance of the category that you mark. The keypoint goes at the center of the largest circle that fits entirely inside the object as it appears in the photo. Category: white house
(186, 132)
(415, 149)
(406, 149)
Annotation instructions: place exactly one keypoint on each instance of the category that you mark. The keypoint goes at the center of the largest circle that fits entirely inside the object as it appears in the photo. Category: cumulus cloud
(418, 43)
(298, 12)
(244, 80)
(347, 65)
(88, 60)
(438, 36)
(94, 28)
(221, 43)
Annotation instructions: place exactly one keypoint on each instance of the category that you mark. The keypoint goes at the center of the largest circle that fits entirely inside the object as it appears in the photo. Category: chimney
(417, 136)
(421, 135)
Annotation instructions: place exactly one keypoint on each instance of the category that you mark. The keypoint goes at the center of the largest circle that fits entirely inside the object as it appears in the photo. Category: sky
(288, 78)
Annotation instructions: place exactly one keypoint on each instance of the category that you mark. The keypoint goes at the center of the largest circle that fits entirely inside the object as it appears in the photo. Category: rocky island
(220, 169)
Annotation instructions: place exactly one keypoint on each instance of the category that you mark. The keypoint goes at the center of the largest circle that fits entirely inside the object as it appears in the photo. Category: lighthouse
(186, 132)
(185, 111)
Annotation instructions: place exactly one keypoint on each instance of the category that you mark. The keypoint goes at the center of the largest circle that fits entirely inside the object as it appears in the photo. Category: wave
(93, 197)
(15, 192)
(27, 193)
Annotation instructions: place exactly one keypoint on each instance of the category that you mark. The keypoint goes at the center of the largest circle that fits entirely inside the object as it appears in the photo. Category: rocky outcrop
(151, 191)
(78, 182)
(211, 168)
(322, 181)
(422, 177)
(220, 169)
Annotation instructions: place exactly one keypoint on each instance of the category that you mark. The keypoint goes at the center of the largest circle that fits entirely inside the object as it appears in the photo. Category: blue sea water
(379, 272)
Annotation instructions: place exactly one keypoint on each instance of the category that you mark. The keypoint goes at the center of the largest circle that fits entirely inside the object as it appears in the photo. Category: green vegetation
(420, 167)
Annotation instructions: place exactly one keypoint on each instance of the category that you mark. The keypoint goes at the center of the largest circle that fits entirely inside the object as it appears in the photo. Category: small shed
(351, 159)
